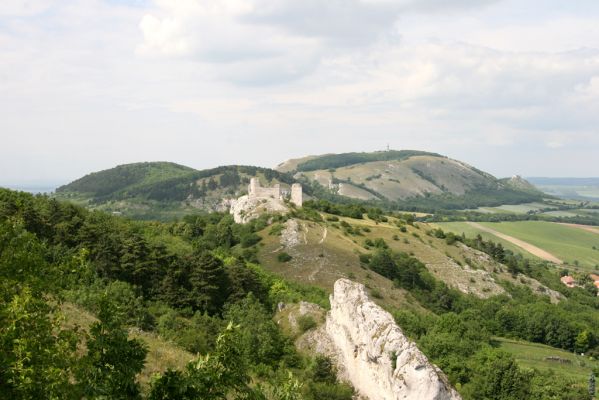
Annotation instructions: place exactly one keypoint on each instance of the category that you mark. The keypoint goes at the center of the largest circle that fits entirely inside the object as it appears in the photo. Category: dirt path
(588, 228)
(520, 243)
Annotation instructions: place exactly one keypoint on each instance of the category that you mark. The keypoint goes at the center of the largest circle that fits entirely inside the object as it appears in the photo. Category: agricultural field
(544, 358)
(567, 243)
(515, 208)
(471, 231)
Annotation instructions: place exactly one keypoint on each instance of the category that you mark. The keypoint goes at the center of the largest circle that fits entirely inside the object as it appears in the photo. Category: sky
(509, 86)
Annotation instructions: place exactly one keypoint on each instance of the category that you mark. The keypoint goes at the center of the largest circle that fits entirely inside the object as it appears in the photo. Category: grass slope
(324, 252)
(534, 355)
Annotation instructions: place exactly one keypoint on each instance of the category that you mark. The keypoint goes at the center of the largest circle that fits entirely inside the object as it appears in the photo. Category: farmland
(570, 244)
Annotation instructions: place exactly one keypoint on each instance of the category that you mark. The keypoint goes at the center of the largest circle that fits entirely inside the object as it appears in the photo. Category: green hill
(164, 190)
(125, 177)
(410, 180)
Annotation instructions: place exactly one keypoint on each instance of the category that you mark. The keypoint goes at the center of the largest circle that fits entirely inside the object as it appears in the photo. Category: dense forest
(198, 284)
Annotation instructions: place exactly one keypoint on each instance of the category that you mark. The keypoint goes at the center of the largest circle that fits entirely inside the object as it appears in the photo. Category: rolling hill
(409, 178)
(406, 179)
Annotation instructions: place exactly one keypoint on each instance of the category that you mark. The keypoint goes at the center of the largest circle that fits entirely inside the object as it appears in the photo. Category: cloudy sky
(510, 86)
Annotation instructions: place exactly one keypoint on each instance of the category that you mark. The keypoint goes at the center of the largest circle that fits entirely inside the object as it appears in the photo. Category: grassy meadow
(570, 244)
(535, 355)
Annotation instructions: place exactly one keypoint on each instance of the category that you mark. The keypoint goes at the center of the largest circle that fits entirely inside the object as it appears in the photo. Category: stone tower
(253, 188)
(297, 194)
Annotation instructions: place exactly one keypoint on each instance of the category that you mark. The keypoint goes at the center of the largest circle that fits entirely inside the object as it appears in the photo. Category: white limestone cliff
(246, 208)
(374, 354)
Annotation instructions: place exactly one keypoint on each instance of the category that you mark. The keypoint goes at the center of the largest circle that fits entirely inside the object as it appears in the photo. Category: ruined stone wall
(257, 191)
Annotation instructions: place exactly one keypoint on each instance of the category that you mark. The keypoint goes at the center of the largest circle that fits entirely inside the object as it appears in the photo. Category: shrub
(284, 257)
(305, 323)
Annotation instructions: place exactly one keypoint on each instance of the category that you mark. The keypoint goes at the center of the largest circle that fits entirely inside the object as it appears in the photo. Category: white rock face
(246, 208)
(367, 339)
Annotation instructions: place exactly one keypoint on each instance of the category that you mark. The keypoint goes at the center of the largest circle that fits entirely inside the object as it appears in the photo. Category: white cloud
(213, 82)
(21, 8)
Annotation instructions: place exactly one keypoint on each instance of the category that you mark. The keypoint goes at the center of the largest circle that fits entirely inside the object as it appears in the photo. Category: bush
(284, 257)
(305, 323)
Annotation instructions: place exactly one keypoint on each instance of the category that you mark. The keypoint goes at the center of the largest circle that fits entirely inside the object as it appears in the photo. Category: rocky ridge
(374, 354)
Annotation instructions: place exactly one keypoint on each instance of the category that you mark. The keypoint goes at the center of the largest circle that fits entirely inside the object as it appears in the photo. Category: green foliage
(305, 323)
(497, 377)
(260, 340)
(37, 358)
(218, 375)
(284, 257)
(198, 281)
(111, 364)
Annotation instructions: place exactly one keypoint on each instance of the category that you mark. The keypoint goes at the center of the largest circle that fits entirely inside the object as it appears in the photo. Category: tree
(112, 361)
(37, 356)
(219, 375)
(496, 377)
(259, 336)
(198, 281)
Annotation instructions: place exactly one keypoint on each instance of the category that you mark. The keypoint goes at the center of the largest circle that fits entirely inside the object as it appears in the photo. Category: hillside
(409, 179)
(165, 190)
(253, 298)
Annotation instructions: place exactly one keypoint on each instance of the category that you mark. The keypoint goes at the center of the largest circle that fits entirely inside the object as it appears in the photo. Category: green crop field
(534, 355)
(470, 232)
(565, 242)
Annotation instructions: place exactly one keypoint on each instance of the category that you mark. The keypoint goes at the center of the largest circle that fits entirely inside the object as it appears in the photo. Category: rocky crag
(374, 354)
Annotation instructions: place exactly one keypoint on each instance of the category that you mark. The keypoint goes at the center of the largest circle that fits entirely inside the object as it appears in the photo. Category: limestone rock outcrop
(374, 354)
(246, 208)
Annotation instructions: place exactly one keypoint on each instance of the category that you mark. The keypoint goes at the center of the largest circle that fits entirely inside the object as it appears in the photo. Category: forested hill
(165, 190)
(123, 177)
(409, 179)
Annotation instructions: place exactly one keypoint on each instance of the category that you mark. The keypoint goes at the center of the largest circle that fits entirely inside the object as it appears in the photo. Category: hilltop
(410, 179)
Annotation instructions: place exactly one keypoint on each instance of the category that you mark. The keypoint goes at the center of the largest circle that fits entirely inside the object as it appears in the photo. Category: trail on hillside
(588, 228)
(532, 249)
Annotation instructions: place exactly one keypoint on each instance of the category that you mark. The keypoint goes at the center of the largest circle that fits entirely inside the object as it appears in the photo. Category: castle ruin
(256, 191)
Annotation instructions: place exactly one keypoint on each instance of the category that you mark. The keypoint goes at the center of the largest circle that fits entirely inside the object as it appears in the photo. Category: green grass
(471, 232)
(561, 213)
(534, 355)
(522, 208)
(565, 242)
